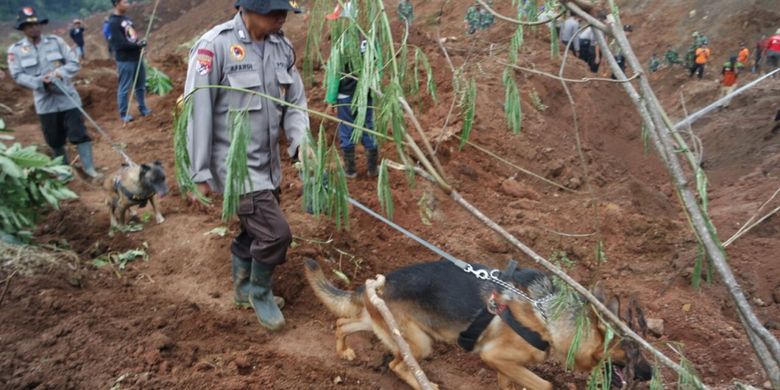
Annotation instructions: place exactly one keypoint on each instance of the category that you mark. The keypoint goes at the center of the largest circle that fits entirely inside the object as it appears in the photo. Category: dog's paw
(160, 219)
(348, 354)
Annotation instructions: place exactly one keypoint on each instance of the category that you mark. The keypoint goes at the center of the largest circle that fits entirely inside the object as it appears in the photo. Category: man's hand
(205, 190)
(331, 109)
(46, 78)
(142, 43)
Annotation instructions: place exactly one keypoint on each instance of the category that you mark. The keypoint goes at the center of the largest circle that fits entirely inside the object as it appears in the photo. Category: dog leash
(493, 276)
(102, 132)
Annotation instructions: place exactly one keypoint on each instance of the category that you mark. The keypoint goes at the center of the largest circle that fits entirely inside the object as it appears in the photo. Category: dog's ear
(144, 168)
(158, 163)
(614, 306)
(598, 292)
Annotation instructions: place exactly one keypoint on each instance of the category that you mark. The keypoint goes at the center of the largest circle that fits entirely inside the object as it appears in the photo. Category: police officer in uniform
(250, 52)
(46, 65)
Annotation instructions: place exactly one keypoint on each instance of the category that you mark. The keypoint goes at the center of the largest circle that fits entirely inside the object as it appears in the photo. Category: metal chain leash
(492, 276)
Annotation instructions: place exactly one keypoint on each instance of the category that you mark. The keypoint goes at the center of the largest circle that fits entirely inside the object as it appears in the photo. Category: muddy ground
(169, 322)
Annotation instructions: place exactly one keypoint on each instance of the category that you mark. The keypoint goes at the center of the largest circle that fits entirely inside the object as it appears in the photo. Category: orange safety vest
(702, 55)
(743, 55)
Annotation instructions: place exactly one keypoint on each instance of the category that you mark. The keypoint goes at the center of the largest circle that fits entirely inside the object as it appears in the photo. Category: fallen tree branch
(515, 21)
(770, 352)
(554, 77)
(403, 347)
(519, 168)
(585, 293)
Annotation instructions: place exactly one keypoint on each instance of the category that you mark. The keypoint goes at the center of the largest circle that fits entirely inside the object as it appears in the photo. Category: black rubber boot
(349, 163)
(262, 298)
(372, 155)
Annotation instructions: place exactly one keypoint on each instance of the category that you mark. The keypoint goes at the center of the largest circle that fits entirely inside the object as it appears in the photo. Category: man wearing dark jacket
(77, 34)
(124, 43)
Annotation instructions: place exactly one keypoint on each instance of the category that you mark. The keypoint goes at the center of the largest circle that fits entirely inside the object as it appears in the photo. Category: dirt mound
(169, 322)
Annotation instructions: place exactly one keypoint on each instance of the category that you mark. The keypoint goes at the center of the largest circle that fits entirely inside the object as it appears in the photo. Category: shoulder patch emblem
(204, 59)
(237, 52)
(28, 11)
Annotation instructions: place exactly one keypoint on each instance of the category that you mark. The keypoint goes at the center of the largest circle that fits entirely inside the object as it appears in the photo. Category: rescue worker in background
(760, 47)
(126, 46)
(251, 52)
(698, 41)
(702, 57)
(729, 80)
(340, 95)
(44, 63)
(655, 63)
(406, 12)
(742, 57)
(772, 52)
(671, 58)
(478, 18)
(568, 30)
(77, 35)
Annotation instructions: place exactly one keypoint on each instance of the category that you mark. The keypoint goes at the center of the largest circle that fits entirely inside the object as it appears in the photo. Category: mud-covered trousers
(265, 234)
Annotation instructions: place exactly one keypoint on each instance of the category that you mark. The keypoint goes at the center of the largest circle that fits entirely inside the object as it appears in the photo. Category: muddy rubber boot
(349, 163)
(87, 164)
(372, 156)
(262, 298)
(242, 269)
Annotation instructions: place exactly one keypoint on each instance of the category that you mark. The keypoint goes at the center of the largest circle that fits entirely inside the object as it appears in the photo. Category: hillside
(169, 322)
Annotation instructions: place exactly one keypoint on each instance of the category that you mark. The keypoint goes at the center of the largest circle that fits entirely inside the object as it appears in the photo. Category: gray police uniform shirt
(29, 63)
(226, 55)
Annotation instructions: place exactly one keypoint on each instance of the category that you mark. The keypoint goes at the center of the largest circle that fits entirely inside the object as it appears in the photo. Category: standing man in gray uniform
(46, 65)
(249, 52)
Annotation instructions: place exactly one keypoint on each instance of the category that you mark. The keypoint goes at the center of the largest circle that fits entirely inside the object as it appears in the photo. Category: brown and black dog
(438, 301)
(134, 185)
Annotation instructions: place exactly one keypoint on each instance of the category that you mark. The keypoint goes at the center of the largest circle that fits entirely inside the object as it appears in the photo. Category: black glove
(142, 43)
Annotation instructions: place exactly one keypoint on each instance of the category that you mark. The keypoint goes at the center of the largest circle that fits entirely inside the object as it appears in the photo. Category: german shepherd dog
(134, 185)
(438, 301)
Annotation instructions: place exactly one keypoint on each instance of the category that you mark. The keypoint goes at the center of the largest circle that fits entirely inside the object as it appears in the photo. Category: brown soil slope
(169, 322)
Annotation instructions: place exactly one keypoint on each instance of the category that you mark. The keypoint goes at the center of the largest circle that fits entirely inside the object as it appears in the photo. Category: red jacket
(773, 43)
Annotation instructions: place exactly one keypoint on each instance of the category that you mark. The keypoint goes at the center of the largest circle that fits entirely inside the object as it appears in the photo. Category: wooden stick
(600, 308)
(406, 353)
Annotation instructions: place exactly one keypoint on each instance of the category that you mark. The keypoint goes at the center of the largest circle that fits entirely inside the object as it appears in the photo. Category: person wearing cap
(249, 52)
(45, 64)
(126, 46)
(77, 35)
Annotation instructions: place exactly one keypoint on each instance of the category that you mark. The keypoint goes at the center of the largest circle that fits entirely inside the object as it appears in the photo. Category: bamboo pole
(600, 307)
(141, 57)
(372, 285)
(649, 104)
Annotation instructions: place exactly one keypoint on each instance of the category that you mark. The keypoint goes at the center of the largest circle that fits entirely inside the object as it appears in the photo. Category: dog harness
(141, 198)
(468, 338)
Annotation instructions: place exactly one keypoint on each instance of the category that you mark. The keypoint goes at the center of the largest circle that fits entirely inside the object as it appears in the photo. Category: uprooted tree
(392, 73)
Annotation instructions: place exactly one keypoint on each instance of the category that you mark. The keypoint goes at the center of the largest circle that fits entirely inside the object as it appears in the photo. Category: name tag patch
(240, 67)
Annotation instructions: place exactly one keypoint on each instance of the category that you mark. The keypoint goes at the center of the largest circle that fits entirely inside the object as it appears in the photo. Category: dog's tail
(339, 302)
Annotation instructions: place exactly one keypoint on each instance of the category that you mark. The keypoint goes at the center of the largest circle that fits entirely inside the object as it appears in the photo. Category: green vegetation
(30, 182)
